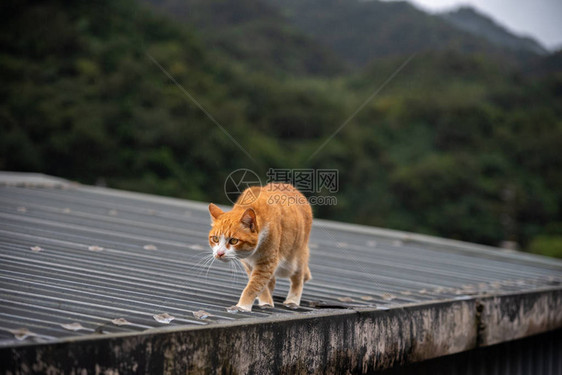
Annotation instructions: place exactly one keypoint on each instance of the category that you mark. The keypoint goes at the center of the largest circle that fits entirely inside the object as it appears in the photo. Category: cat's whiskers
(209, 267)
(200, 254)
(237, 268)
(202, 260)
(233, 271)
(201, 264)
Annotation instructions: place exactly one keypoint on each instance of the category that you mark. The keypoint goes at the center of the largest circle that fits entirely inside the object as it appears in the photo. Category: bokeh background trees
(464, 143)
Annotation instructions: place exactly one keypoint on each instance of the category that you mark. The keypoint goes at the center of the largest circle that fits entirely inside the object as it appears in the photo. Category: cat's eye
(233, 241)
(214, 239)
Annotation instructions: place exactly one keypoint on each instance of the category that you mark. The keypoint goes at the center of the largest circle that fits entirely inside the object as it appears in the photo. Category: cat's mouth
(223, 257)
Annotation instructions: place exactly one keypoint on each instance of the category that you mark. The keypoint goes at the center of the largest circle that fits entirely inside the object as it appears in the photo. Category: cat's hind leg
(295, 291)
(265, 299)
(307, 274)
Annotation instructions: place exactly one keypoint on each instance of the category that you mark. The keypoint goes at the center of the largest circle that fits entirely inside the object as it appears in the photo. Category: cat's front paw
(235, 309)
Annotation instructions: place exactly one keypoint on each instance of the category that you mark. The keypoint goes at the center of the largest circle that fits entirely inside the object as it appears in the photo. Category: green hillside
(359, 31)
(255, 33)
(468, 19)
(457, 145)
(461, 148)
(82, 98)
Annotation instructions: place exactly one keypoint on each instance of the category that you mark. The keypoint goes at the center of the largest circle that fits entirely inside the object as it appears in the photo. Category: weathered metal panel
(77, 254)
(514, 316)
(312, 343)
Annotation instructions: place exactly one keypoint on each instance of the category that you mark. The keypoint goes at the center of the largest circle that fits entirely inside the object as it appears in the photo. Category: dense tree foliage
(457, 145)
(362, 30)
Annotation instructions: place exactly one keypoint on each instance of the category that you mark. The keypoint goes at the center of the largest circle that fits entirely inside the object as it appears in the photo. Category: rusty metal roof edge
(359, 340)
(316, 314)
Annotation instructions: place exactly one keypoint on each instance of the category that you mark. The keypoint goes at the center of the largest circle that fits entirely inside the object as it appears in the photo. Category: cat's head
(234, 234)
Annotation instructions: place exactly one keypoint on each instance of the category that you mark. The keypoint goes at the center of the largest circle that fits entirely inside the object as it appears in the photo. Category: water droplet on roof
(120, 322)
(164, 318)
(196, 247)
(234, 309)
(21, 333)
(388, 296)
(36, 249)
(366, 298)
(201, 314)
(95, 248)
(72, 326)
(150, 247)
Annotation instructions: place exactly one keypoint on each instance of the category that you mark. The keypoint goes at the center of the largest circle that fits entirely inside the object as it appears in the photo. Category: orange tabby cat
(268, 230)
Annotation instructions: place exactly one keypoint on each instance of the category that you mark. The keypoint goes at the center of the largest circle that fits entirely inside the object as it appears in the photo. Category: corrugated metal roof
(78, 254)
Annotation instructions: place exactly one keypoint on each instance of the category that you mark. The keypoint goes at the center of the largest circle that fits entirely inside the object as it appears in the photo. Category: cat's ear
(249, 219)
(215, 212)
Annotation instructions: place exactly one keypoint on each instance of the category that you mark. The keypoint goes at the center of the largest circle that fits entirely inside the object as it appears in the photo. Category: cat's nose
(220, 254)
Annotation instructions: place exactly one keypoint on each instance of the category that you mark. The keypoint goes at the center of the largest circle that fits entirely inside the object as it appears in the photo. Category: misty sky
(541, 19)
